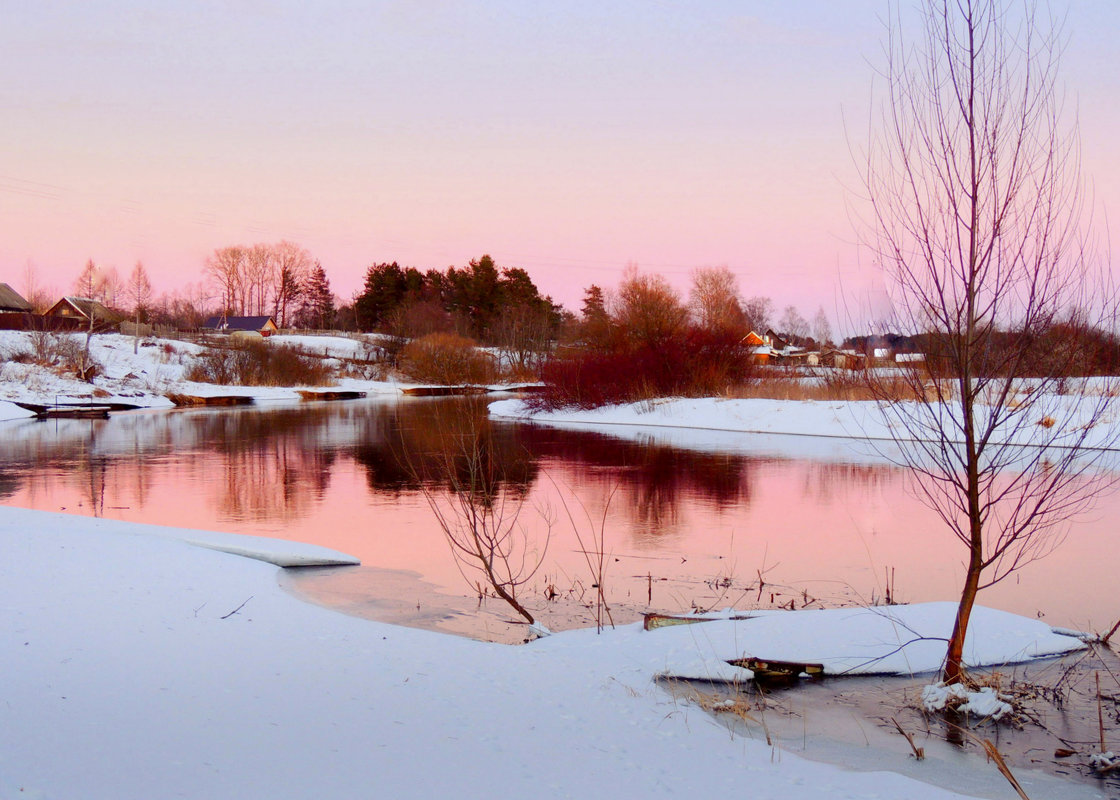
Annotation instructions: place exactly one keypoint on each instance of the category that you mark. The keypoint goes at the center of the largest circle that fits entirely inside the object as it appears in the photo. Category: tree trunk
(954, 669)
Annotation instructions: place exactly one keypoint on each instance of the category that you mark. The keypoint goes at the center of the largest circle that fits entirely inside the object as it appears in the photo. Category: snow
(156, 369)
(861, 420)
(138, 665)
(983, 702)
(12, 411)
(890, 640)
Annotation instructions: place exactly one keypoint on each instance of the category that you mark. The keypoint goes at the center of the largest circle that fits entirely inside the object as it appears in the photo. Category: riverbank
(151, 372)
(137, 665)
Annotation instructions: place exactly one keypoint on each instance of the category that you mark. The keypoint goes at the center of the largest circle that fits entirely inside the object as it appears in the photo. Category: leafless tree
(464, 483)
(138, 291)
(793, 325)
(225, 269)
(647, 309)
(38, 296)
(714, 299)
(977, 219)
(292, 265)
(756, 312)
(258, 269)
(822, 328)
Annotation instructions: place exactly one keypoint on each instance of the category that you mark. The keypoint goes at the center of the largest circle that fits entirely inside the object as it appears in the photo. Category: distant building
(225, 324)
(84, 309)
(10, 300)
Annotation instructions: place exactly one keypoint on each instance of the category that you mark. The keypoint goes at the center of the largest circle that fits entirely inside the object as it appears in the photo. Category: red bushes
(698, 363)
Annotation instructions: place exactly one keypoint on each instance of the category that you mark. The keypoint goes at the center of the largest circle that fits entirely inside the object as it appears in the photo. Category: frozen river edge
(138, 665)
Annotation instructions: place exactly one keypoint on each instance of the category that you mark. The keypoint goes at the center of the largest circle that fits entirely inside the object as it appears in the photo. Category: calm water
(749, 521)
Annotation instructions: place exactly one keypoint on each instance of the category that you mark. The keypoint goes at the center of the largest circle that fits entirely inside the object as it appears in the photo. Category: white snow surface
(983, 702)
(861, 420)
(136, 665)
(894, 640)
(156, 369)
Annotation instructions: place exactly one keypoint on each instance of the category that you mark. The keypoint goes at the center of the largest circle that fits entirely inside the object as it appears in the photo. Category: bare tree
(756, 313)
(714, 299)
(292, 266)
(647, 309)
(138, 291)
(226, 270)
(822, 328)
(793, 325)
(976, 220)
(465, 484)
(88, 282)
(258, 269)
(39, 297)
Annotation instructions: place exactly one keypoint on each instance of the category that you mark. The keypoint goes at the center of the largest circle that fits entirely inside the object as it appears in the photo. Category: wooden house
(844, 359)
(227, 324)
(85, 309)
(758, 346)
(12, 301)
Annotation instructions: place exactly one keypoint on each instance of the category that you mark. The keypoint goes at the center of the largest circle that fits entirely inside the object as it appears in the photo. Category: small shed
(11, 300)
(844, 359)
(227, 324)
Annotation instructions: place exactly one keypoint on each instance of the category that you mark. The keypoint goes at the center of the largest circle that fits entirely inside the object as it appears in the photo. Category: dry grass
(825, 384)
(259, 364)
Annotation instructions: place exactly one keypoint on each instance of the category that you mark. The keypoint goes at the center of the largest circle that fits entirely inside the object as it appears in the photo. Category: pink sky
(568, 141)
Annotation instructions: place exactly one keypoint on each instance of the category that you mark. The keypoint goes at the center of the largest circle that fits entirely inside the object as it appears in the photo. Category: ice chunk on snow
(984, 702)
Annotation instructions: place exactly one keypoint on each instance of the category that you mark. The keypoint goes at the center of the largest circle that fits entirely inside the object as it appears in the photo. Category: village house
(11, 301)
(228, 324)
(85, 309)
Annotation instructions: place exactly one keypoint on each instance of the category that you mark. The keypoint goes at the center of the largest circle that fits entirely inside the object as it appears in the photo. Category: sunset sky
(569, 139)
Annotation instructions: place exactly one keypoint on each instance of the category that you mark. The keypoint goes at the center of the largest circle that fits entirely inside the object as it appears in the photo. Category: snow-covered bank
(157, 368)
(138, 666)
(703, 417)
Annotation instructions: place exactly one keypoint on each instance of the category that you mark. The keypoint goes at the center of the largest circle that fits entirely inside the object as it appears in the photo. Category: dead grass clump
(258, 364)
(446, 358)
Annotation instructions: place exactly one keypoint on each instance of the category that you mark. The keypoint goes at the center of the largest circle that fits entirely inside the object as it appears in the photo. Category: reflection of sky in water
(834, 525)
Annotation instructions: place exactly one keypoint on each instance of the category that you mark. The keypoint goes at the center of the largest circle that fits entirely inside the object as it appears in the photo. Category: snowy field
(703, 417)
(139, 665)
(156, 369)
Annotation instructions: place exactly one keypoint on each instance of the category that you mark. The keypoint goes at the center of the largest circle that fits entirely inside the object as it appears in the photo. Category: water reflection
(348, 475)
(433, 443)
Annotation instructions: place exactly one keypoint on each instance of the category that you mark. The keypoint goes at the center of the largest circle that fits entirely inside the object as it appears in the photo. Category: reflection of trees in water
(274, 463)
(431, 442)
(652, 479)
(265, 464)
(11, 480)
(825, 482)
(424, 439)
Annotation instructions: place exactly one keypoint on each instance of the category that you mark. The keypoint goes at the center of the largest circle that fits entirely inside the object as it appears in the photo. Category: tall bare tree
(714, 299)
(793, 325)
(138, 291)
(292, 266)
(756, 313)
(977, 221)
(258, 268)
(226, 270)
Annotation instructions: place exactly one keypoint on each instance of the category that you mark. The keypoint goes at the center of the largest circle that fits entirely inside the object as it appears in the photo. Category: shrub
(258, 364)
(61, 353)
(696, 364)
(446, 358)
